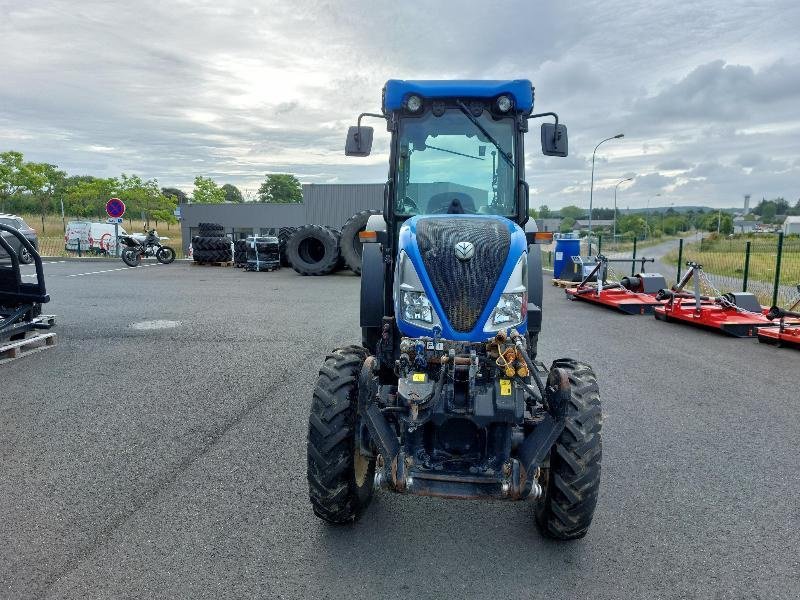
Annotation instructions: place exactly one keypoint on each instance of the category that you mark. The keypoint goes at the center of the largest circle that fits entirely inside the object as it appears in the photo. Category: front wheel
(165, 255)
(571, 483)
(131, 257)
(340, 478)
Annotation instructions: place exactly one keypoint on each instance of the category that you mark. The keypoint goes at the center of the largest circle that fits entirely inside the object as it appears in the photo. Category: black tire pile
(320, 250)
(211, 245)
(240, 253)
(284, 233)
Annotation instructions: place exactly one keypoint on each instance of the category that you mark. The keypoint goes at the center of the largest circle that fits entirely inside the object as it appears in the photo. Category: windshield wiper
(454, 152)
(482, 129)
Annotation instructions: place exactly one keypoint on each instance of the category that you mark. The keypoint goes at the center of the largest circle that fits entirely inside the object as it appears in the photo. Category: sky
(706, 93)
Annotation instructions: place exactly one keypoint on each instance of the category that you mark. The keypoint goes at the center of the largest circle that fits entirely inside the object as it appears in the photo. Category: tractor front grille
(463, 287)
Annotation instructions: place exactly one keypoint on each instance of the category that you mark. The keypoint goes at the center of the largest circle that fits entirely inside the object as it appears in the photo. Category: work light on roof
(504, 104)
(413, 103)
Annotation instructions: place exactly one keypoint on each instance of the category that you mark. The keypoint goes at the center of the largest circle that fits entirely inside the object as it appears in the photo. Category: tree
(179, 195)
(11, 180)
(572, 211)
(280, 187)
(532, 213)
(87, 198)
(546, 213)
(567, 224)
(232, 193)
(632, 224)
(41, 180)
(206, 191)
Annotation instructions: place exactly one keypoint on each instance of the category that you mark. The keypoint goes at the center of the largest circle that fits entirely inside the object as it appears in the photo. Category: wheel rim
(26, 256)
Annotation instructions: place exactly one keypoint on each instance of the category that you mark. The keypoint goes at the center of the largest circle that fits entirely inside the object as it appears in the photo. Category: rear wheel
(131, 257)
(340, 478)
(571, 483)
(165, 255)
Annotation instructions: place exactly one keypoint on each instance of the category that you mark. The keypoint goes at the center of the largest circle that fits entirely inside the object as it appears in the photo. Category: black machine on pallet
(263, 254)
(20, 301)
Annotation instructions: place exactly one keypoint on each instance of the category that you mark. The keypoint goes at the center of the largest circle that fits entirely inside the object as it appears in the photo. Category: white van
(95, 238)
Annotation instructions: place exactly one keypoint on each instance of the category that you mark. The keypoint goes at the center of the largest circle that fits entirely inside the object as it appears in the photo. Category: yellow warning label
(505, 387)
(418, 377)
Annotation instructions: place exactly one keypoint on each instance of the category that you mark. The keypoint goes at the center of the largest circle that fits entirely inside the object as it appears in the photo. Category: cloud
(234, 90)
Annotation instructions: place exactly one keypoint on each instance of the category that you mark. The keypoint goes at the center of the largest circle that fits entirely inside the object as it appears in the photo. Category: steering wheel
(408, 202)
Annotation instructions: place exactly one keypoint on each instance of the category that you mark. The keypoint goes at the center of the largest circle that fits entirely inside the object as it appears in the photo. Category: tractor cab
(456, 176)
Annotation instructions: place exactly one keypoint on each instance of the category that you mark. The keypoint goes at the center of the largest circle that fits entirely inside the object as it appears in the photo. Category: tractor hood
(461, 277)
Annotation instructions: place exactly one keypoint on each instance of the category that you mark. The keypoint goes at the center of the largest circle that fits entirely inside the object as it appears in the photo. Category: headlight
(411, 303)
(510, 310)
(512, 307)
(415, 306)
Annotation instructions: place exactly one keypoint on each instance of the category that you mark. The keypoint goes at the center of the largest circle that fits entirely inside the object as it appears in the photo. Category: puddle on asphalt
(149, 325)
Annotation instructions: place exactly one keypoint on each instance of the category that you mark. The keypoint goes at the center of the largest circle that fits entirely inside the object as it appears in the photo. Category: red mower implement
(738, 314)
(635, 295)
(784, 334)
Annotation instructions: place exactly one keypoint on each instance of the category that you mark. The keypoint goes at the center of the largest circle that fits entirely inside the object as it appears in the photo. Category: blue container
(564, 250)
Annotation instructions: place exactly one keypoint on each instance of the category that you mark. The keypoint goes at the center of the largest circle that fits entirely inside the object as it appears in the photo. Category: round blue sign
(115, 208)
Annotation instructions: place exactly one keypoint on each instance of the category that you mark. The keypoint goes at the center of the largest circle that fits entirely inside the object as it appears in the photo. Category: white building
(791, 225)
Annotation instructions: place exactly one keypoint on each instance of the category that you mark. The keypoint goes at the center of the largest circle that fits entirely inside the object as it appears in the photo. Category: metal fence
(765, 265)
(53, 247)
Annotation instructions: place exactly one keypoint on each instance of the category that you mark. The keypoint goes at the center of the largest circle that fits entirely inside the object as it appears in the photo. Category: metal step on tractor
(445, 395)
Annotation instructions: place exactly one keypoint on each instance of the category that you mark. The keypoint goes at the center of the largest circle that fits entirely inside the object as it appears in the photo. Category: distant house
(548, 224)
(596, 223)
(791, 225)
(745, 226)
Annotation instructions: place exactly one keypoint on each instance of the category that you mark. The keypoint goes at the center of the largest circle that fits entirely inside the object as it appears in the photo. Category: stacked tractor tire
(211, 245)
(320, 250)
(240, 253)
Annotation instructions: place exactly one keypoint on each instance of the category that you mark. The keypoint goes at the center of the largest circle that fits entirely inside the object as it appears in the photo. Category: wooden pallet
(563, 283)
(32, 343)
(227, 263)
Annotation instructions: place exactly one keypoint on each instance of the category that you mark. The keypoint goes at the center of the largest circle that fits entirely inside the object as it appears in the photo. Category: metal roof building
(323, 204)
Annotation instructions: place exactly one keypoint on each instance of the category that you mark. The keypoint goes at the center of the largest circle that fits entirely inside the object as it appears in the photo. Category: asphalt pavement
(158, 451)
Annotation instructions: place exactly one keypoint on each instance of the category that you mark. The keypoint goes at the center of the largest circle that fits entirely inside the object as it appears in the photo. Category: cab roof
(397, 90)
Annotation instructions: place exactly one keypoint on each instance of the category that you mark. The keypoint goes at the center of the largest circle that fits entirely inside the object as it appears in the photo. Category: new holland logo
(464, 250)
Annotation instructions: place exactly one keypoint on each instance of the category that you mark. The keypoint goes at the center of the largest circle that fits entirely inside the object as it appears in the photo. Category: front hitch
(537, 444)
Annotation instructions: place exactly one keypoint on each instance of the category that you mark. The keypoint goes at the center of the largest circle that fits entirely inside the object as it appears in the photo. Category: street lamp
(647, 218)
(614, 236)
(591, 187)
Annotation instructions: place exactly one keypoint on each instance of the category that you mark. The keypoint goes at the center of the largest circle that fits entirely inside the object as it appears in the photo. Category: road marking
(112, 270)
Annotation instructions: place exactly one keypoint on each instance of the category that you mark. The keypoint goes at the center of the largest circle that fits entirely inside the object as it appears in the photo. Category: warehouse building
(323, 204)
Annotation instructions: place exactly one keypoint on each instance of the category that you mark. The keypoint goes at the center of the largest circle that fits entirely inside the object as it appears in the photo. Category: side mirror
(554, 139)
(359, 141)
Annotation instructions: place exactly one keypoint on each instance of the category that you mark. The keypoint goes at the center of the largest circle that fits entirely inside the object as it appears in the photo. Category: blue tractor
(445, 395)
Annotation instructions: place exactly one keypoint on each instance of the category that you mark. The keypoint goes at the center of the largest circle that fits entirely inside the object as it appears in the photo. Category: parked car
(20, 225)
(94, 237)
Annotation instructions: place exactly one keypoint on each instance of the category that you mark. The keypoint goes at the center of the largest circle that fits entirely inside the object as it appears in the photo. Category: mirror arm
(547, 114)
(358, 134)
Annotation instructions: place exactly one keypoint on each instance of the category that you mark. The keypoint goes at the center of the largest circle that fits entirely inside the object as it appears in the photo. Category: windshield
(447, 164)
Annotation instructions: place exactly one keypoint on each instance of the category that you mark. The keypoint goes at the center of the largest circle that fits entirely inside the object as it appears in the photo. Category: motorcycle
(134, 250)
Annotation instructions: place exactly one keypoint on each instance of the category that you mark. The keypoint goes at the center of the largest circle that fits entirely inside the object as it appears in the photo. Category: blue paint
(408, 242)
(397, 90)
